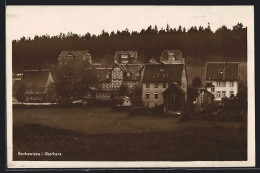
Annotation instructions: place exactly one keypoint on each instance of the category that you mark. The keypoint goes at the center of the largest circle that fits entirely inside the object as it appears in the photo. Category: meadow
(100, 134)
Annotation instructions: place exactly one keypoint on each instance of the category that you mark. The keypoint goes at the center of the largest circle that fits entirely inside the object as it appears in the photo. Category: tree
(74, 80)
(136, 96)
(84, 82)
(108, 59)
(196, 82)
(51, 95)
(30, 53)
(20, 93)
(64, 82)
(123, 90)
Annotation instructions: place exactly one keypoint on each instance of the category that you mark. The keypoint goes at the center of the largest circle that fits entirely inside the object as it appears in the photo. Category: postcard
(130, 86)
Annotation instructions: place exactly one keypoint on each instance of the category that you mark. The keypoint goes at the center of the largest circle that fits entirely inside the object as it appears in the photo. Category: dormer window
(128, 74)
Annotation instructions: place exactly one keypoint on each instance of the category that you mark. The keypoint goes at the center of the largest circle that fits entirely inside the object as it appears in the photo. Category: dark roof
(130, 54)
(132, 69)
(173, 87)
(222, 71)
(166, 53)
(101, 74)
(122, 67)
(206, 91)
(75, 53)
(35, 78)
(163, 72)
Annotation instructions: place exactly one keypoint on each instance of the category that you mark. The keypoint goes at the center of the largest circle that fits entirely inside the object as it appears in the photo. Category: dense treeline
(197, 45)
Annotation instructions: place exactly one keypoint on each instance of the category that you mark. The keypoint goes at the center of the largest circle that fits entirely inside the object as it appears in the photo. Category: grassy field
(99, 134)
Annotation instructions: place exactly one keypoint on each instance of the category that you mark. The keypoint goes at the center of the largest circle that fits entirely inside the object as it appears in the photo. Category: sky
(29, 21)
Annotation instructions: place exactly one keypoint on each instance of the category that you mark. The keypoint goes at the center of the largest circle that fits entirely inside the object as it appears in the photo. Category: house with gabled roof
(171, 57)
(174, 99)
(128, 74)
(157, 77)
(124, 57)
(104, 90)
(37, 83)
(222, 79)
(204, 100)
(78, 55)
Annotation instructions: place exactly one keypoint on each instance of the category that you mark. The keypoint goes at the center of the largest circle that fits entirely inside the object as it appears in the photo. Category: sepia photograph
(130, 86)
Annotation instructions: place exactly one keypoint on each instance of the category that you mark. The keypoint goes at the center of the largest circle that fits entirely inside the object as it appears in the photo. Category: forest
(198, 45)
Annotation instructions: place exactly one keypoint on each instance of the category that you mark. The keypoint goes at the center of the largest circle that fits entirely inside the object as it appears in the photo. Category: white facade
(223, 89)
(152, 93)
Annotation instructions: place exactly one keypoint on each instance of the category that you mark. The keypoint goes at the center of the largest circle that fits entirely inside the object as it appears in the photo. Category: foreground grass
(101, 135)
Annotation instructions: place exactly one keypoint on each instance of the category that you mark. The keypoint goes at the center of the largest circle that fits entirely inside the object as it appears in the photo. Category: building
(127, 74)
(174, 99)
(79, 55)
(204, 100)
(132, 76)
(104, 90)
(37, 83)
(124, 57)
(16, 82)
(171, 57)
(157, 77)
(117, 74)
(222, 79)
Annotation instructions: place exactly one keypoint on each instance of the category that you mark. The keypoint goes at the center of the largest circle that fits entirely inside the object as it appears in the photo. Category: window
(155, 104)
(147, 104)
(218, 94)
(223, 94)
(156, 95)
(128, 74)
(231, 84)
(137, 74)
(147, 95)
(155, 85)
(107, 76)
(164, 85)
(223, 84)
(147, 85)
(231, 93)
(212, 89)
(218, 84)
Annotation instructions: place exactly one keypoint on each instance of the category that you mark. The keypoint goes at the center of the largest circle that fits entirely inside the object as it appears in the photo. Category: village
(153, 105)
(128, 83)
(101, 84)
